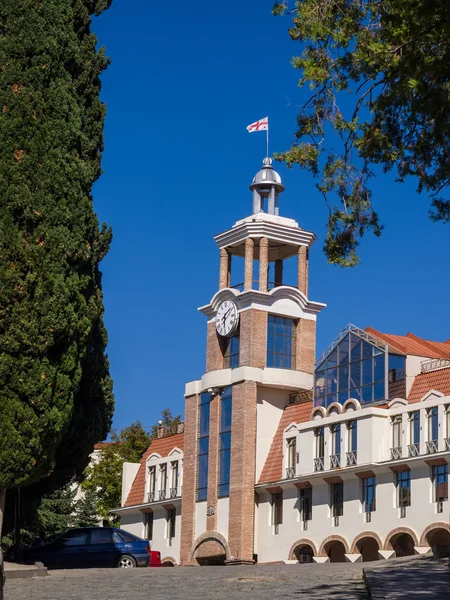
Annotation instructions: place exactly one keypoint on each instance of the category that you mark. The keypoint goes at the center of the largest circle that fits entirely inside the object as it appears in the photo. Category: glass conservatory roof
(355, 365)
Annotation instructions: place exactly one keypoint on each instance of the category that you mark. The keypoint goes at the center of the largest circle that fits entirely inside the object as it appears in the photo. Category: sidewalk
(408, 578)
(17, 571)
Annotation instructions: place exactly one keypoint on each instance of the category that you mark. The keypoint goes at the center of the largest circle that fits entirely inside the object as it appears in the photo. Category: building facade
(285, 458)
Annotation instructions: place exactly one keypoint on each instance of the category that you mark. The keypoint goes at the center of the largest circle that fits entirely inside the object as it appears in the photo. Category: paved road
(261, 582)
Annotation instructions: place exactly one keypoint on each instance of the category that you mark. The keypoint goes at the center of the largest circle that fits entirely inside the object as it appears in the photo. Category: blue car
(92, 547)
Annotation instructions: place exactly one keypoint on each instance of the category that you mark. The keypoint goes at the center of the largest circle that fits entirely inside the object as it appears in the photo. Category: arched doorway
(210, 553)
(403, 544)
(439, 542)
(304, 553)
(335, 552)
(368, 548)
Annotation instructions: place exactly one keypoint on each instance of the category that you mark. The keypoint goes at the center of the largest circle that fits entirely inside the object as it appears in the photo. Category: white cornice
(299, 305)
(290, 235)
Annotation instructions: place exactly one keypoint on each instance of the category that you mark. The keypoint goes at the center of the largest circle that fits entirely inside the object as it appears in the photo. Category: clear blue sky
(185, 81)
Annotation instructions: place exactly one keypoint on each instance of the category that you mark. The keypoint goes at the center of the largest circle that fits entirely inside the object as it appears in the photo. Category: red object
(155, 559)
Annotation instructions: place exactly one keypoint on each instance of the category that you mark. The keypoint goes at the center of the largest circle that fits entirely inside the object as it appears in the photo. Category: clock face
(227, 318)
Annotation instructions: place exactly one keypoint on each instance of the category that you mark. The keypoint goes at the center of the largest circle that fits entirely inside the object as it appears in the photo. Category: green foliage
(128, 445)
(54, 375)
(86, 509)
(389, 59)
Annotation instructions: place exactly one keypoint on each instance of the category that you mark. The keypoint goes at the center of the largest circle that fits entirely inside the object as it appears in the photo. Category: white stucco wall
(200, 518)
(133, 521)
(129, 473)
(270, 405)
(223, 507)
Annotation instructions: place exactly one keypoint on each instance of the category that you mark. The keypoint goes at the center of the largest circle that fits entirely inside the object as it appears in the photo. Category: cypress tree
(55, 390)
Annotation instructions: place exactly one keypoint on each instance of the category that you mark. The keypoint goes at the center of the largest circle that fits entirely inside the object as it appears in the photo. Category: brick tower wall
(188, 505)
(242, 475)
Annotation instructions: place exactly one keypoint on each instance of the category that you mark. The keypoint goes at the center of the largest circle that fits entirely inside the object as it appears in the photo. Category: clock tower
(260, 353)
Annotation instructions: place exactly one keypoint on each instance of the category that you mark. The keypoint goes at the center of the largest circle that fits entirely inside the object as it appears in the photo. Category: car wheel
(125, 562)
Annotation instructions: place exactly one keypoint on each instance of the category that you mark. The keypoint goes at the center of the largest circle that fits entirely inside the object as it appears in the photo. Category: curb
(373, 585)
(37, 570)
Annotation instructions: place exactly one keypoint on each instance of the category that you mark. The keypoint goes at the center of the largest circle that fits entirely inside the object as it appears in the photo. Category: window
(355, 368)
(397, 431)
(277, 508)
(280, 342)
(414, 420)
(203, 446)
(101, 536)
(175, 475)
(447, 419)
(440, 483)
(291, 452)
(225, 441)
(337, 499)
(369, 494)
(305, 500)
(127, 536)
(403, 489)
(336, 439)
(171, 514)
(232, 352)
(433, 424)
(76, 537)
(148, 526)
(162, 481)
(152, 483)
(352, 436)
(320, 443)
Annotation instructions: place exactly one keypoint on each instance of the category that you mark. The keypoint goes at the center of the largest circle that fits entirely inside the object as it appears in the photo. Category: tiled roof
(434, 380)
(101, 445)
(295, 413)
(412, 344)
(162, 446)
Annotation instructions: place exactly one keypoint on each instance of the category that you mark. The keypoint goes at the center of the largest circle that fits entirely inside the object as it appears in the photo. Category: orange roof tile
(295, 413)
(435, 380)
(412, 344)
(100, 445)
(163, 447)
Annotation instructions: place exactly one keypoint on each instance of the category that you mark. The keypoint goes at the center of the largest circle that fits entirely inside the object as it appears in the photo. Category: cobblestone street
(270, 582)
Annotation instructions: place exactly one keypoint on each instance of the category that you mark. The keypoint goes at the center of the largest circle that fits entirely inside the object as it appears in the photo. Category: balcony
(162, 494)
(151, 496)
(174, 492)
(431, 446)
(319, 464)
(447, 443)
(335, 461)
(290, 472)
(413, 449)
(351, 458)
(396, 453)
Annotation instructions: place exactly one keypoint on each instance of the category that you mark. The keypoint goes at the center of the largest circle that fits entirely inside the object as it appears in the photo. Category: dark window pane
(204, 419)
(225, 440)
(379, 391)
(332, 380)
(330, 399)
(367, 350)
(332, 358)
(355, 374)
(74, 538)
(367, 377)
(225, 417)
(343, 377)
(127, 536)
(355, 393)
(367, 393)
(203, 445)
(378, 374)
(343, 350)
(355, 347)
(224, 490)
(101, 536)
(342, 397)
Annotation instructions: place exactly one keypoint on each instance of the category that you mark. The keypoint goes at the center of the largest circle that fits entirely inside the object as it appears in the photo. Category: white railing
(319, 464)
(335, 461)
(413, 449)
(432, 446)
(396, 453)
(368, 517)
(151, 496)
(305, 525)
(434, 364)
(336, 521)
(447, 443)
(351, 458)
(290, 472)
(439, 507)
(162, 494)
(174, 492)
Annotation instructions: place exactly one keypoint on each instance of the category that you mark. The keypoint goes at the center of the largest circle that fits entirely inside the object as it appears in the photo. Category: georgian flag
(261, 125)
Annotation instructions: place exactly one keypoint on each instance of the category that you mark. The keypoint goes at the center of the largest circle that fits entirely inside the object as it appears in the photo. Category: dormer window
(162, 481)
(152, 483)
(175, 476)
(291, 444)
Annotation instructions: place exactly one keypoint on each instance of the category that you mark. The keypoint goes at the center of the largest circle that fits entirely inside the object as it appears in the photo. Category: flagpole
(267, 139)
